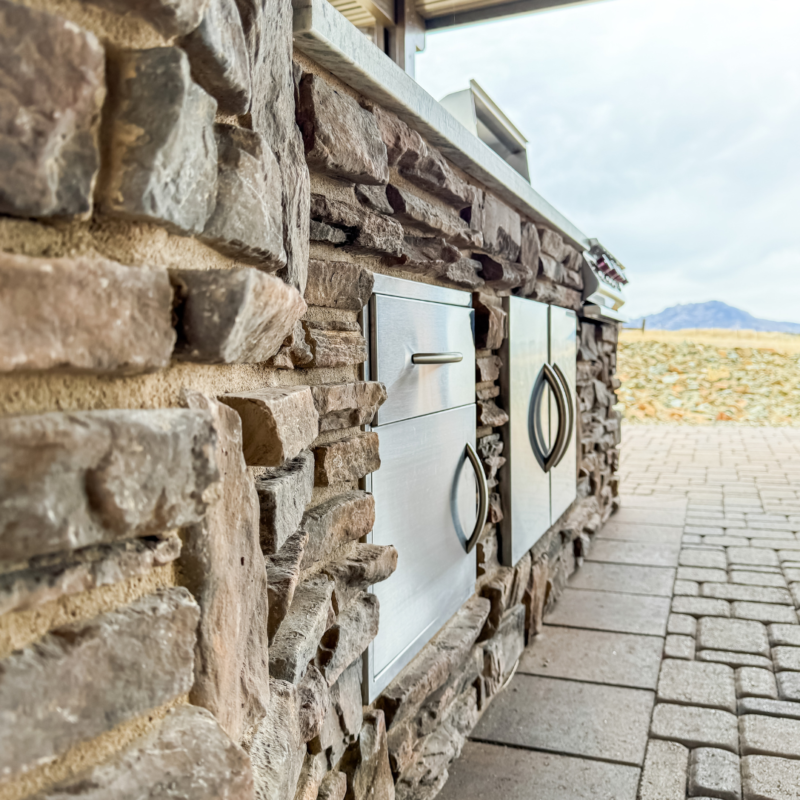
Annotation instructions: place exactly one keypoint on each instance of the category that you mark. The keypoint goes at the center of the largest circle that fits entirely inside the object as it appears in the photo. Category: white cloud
(668, 129)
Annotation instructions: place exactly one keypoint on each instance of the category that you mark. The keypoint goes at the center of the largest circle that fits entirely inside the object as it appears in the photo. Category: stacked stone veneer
(189, 225)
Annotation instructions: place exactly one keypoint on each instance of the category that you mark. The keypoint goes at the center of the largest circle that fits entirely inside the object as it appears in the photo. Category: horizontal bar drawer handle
(437, 358)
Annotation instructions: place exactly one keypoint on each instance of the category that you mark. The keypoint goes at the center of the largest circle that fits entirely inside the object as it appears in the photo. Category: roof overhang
(440, 14)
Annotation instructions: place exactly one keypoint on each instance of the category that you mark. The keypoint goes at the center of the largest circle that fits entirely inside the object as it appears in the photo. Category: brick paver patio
(670, 667)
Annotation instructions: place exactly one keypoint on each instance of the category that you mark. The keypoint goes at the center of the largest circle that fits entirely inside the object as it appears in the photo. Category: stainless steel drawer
(425, 505)
(423, 351)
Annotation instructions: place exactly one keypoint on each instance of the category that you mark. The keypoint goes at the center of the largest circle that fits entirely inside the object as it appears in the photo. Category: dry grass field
(709, 376)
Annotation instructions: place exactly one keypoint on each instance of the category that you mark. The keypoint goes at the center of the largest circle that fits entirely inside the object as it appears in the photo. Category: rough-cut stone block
(695, 727)
(218, 55)
(530, 246)
(367, 762)
(432, 667)
(277, 423)
(161, 165)
(83, 679)
(237, 316)
(769, 736)
(83, 315)
(355, 627)
(545, 291)
(551, 269)
(296, 641)
(665, 770)
(462, 273)
(695, 683)
(501, 275)
(364, 566)
(765, 778)
(247, 222)
(754, 682)
(335, 522)
(224, 568)
(499, 224)
(424, 251)
(333, 787)
(283, 575)
(491, 415)
(72, 480)
(490, 321)
(353, 151)
(419, 213)
(311, 776)
(335, 343)
(294, 352)
(347, 405)
(346, 459)
(276, 747)
(553, 245)
(365, 232)
(502, 652)
(322, 232)
(283, 494)
(168, 17)
(344, 718)
(188, 755)
(338, 284)
(52, 73)
(489, 368)
(374, 198)
(314, 699)
(732, 634)
(714, 773)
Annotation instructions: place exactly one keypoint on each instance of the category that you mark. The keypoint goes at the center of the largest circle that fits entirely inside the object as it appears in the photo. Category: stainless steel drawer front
(524, 485)
(443, 374)
(425, 505)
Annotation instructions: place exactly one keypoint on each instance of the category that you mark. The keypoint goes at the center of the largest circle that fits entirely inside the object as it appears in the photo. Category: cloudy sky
(668, 129)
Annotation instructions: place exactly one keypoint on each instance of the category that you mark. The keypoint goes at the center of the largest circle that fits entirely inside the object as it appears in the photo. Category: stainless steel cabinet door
(402, 328)
(563, 358)
(524, 484)
(425, 505)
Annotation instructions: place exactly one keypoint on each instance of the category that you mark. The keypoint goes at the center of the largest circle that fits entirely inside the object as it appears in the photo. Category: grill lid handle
(437, 358)
(483, 497)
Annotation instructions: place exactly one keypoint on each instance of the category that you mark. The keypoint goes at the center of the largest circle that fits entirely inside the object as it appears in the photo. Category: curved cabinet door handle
(437, 358)
(569, 417)
(483, 497)
(547, 460)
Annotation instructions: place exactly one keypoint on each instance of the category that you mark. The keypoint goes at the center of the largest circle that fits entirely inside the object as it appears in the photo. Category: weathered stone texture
(365, 232)
(490, 321)
(367, 762)
(353, 151)
(314, 701)
(714, 773)
(294, 352)
(335, 343)
(296, 640)
(73, 480)
(374, 198)
(333, 787)
(283, 494)
(239, 316)
(499, 224)
(490, 414)
(489, 368)
(501, 275)
(331, 524)
(83, 315)
(338, 284)
(218, 54)
(168, 17)
(52, 73)
(346, 459)
(283, 575)
(546, 291)
(355, 627)
(187, 756)
(83, 679)
(277, 423)
(161, 161)
(530, 246)
(553, 245)
(247, 221)
(347, 405)
(364, 566)
(419, 213)
(503, 650)
(223, 566)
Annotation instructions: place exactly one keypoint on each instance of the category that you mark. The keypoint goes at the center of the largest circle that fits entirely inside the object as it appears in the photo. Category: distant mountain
(710, 315)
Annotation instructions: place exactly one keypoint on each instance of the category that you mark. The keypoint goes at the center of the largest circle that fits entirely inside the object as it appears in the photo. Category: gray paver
(738, 635)
(792, 573)
(754, 682)
(765, 778)
(749, 578)
(604, 722)
(634, 532)
(715, 773)
(665, 770)
(638, 553)
(786, 658)
(697, 683)
(794, 588)
(788, 685)
(752, 555)
(653, 516)
(609, 611)
(688, 588)
(763, 612)
(488, 771)
(677, 646)
(753, 594)
(768, 707)
(632, 579)
(596, 656)
(682, 624)
(695, 727)
(696, 557)
(701, 606)
(784, 634)
(734, 659)
(769, 736)
(702, 575)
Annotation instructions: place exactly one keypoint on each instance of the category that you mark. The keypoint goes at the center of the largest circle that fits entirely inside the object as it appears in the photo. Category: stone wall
(189, 225)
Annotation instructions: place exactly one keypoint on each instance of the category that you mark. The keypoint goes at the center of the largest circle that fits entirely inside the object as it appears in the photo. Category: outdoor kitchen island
(264, 386)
